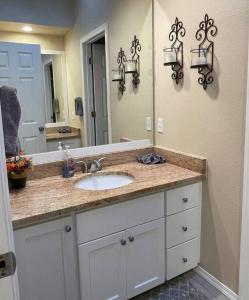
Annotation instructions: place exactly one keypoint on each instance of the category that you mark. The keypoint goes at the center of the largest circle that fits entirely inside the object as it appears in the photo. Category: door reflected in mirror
(54, 88)
(63, 78)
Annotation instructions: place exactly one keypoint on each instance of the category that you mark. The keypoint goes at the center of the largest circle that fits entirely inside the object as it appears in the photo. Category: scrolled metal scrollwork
(206, 31)
(177, 31)
(121, 66)
(135, 48)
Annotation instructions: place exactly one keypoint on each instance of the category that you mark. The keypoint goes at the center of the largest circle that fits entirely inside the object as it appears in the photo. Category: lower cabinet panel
(182, 258)
(123, 265)
(46, 259)
(145, 259)
(102, 269)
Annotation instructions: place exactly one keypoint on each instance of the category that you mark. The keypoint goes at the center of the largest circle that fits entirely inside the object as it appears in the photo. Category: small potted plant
(17, 168)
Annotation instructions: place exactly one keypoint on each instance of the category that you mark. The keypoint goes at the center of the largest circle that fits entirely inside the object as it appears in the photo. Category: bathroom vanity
(115, 244)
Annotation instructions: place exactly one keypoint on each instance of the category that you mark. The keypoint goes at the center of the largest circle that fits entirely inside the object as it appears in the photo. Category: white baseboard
(216, 283)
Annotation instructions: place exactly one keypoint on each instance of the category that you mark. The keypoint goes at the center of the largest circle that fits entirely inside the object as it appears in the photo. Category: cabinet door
(145, 257)
(102, 268)
(46, 261)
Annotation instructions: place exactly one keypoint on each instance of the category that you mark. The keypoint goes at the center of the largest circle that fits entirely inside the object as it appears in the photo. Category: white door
(102, 268)
(20, 67)
(145, 256)
(46, 262)
(8, 285)
(100, 96)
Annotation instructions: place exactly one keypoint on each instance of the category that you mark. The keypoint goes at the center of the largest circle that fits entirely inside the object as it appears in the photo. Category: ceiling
(37, 29)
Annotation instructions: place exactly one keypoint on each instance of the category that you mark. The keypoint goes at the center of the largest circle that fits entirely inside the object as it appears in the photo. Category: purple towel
(11, 114)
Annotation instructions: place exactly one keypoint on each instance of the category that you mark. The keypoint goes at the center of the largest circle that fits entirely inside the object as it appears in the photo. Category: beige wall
(125, 19)
(209, 123)
(47, 42)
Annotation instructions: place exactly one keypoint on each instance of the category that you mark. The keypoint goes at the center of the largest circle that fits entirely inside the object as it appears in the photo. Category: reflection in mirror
(65, 83)
(53, 88)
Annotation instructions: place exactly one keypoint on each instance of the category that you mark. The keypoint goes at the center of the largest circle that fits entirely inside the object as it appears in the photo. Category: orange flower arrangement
(18, 164)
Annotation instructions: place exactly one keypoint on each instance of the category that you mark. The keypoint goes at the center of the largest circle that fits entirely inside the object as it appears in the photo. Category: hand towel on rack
(11, 114)
(78, 106)
(56, 105)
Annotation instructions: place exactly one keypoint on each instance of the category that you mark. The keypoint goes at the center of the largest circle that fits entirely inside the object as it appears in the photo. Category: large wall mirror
(66, 82)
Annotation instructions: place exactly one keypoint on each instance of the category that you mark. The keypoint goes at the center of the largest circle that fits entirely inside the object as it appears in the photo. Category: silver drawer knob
(185, 259)
(185, 200)
(131, 238)
(123, 242)
(68, 228)
(184, 228)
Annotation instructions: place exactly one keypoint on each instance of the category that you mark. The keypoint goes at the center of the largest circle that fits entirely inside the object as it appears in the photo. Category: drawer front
(103, 221)
(183, 198)
(182, 258)
(183, 226)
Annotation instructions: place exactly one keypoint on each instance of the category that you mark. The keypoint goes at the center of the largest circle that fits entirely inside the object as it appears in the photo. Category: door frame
(65, 88)
(85, 41)
(244, 246)
(4, 190)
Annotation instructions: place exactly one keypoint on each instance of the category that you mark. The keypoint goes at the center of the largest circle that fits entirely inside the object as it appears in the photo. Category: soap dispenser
(68, 166)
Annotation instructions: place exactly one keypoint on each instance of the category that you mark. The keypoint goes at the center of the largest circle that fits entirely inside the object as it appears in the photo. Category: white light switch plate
(148, 123)
(160, 125)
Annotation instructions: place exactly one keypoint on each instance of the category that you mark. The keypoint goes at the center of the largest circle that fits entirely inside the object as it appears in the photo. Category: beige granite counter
(53, 196)
(52, 133)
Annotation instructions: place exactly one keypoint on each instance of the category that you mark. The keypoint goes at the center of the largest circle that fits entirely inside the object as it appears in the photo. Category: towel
(78, 106)
(11, 114)
(151, 158)
(56, 106)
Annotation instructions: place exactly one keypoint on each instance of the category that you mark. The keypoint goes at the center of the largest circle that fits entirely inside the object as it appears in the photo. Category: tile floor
(189, 286)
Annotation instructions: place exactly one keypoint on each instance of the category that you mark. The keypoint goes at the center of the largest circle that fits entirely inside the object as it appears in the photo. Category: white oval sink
(104, 181)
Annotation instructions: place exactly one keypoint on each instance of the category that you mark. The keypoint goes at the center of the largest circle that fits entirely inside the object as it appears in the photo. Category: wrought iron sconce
(173, 56)
(119, 74)
(203, 57)
(133, 66)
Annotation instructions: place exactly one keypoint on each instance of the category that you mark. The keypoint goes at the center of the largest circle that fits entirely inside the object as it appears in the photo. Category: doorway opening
(49, 92)
(96, 88)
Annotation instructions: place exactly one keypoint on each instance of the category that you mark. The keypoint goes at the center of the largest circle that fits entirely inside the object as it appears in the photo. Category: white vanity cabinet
(183, 229)
(124, 264)
(124, 249)
(46, 261)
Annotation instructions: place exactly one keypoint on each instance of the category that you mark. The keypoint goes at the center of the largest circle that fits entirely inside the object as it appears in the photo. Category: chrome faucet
(96, 165)
(84, 167)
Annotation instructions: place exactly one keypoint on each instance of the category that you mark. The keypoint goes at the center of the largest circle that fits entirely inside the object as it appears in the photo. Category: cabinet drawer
(183, 226)
(183, 198)
(103, 221)
(182, 258)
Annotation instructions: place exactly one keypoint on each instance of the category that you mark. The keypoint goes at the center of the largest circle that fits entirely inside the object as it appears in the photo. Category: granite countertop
(50, 197)
(52, 133)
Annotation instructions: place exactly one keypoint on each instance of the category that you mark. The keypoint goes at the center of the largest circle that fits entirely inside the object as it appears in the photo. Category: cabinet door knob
(123, 242)
(185, 200)
(41, 128)
(131, 238)
(185, 259)
(68, 228)
(184, 228)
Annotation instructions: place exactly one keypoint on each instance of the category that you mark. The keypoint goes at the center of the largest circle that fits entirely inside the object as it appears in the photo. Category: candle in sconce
(130, 66)
(198, 58)
(170, 56)
(116, 75)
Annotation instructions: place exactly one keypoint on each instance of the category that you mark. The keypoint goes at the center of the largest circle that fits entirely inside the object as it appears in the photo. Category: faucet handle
(84, 166)
(100, 159)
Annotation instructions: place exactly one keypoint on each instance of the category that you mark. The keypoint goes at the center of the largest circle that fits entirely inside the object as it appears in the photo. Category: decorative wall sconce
(173, 56)
(133, 66)
(202, 58)
(119, 74)
(128, 66)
